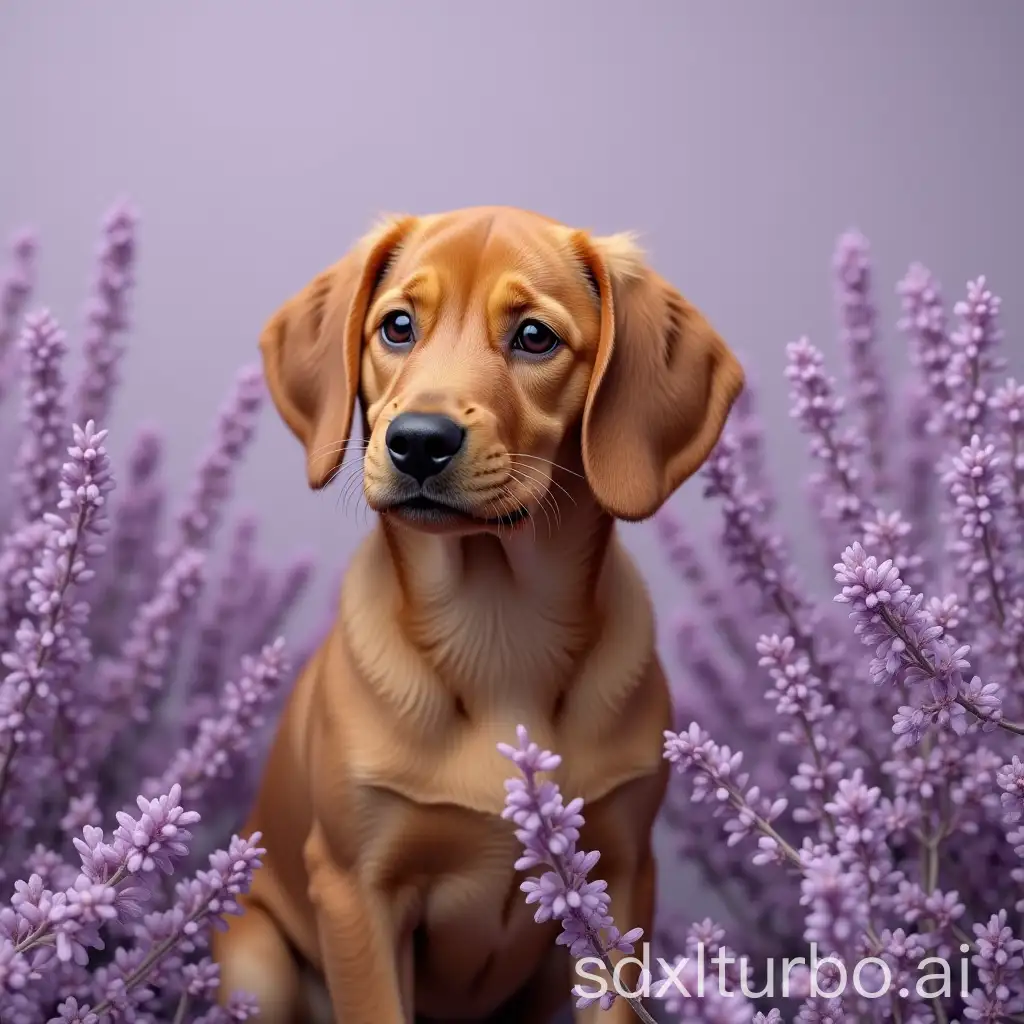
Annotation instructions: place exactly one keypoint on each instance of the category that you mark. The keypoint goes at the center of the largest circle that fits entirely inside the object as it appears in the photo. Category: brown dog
(523, 385)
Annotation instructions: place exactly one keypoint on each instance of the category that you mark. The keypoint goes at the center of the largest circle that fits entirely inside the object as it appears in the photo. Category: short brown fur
(389, 870)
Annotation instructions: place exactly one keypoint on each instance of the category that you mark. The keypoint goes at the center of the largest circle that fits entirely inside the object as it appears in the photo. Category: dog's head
(487, 347)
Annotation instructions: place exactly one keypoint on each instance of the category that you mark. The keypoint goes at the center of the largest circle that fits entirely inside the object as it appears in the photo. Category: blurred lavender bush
(132, 658)
(873, 804)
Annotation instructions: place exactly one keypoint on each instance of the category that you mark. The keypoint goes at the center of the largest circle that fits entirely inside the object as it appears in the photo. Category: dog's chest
(479, 944)
(476, 941)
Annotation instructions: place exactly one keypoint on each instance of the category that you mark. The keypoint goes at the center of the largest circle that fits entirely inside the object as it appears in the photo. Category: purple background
(259, 139)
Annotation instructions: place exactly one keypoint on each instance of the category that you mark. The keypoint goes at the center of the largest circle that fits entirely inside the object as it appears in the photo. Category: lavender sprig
(974, 358)
(977, 487)
(818, 409)
(42, 927)
(42, 347)
(209, 895)
(197, 521)
(549, 830)
(222, 622)
(226, 736)
(924, 323)
(107, 315)
(127, 577)
(53, 632)
(132, 681)
(858, 331)
(718, 778)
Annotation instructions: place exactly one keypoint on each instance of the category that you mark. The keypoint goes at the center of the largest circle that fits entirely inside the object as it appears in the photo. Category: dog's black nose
(422, 444)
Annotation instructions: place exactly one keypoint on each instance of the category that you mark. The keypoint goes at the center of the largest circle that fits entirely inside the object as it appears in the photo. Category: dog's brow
(512, 296)
(421, 290)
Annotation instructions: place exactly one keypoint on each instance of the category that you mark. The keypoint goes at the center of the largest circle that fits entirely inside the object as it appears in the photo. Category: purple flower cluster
(107, 316)
(119, 674)
(549, 830)
(871, 806)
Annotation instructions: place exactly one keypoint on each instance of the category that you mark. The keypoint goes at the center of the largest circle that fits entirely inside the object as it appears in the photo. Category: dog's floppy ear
(312, 348)
(662, 385)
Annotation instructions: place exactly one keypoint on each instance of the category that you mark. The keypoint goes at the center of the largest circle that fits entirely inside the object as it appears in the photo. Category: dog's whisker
(343, 468)
(554, 465)
(355, 496)
(538, 486)
(350, 486)
(507, 503)
(547, 480)
(541, 503)
(547, 519)
(334, 447)
(340, 464)
(500, 495)
(347, 493)
(343, 501)
(333, 476)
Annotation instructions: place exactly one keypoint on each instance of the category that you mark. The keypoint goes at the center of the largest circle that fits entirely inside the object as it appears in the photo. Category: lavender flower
(236, 425)
(44, 420)
(999, 964)
(165, 936)
(857, 320)
(924, 323)
(912, 647)
(132, 680)
(818, 409)
(50, 645)
(836, 902)
(549, 830)
(127, 577)
(813, 724)
(42, 924)
(973, 359)
(94, 692)
(225, 737)
(107, 315)
(718, 777)
(230, 603)
(977, 487)
(704, 1000)
(210, 894)
(129, 685)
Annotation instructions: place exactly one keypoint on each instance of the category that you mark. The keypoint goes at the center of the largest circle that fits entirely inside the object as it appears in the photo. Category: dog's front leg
(632, 907)
(358, 942)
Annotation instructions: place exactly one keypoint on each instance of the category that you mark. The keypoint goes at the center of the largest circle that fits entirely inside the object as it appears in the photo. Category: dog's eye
(396, 330)
(535, 338)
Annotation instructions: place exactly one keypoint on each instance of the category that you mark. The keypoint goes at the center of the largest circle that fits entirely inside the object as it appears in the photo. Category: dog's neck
(522, 606)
